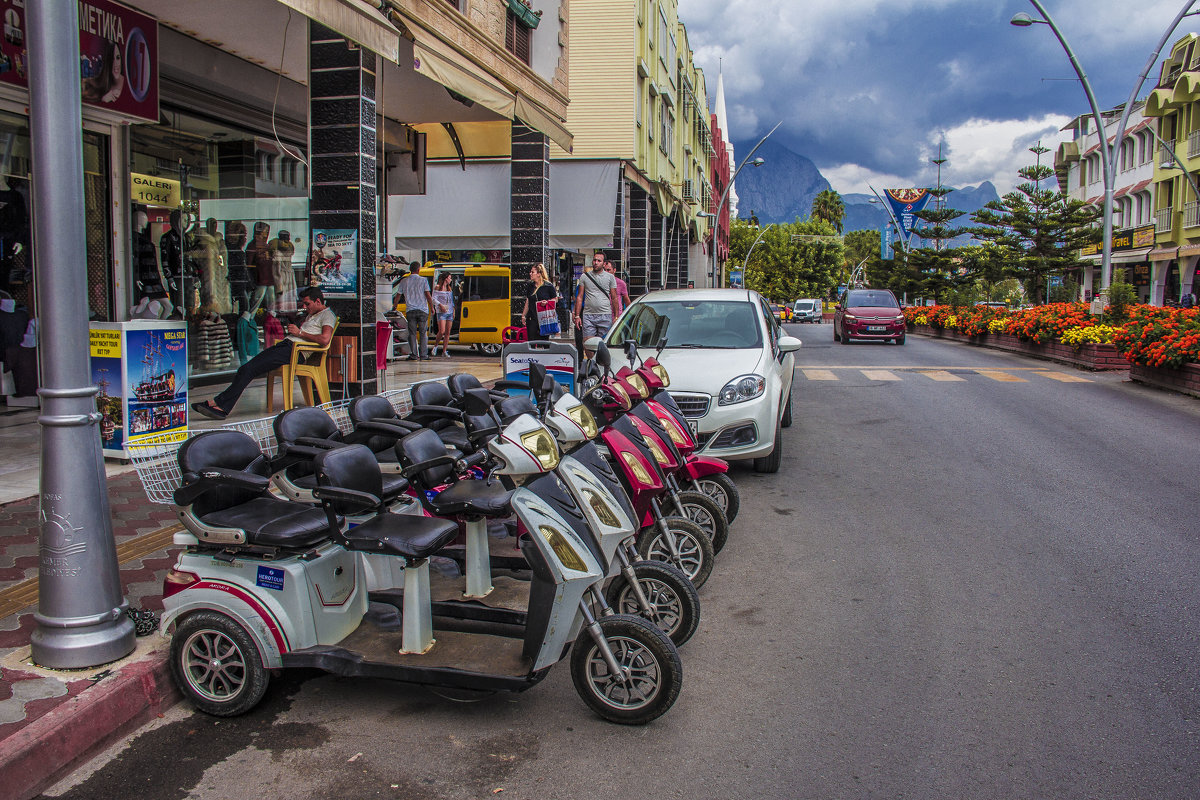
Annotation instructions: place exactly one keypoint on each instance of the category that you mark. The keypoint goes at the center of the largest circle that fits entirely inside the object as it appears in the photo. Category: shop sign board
(1125, 239)
(333, 266)
(118, 56)
(151, 190)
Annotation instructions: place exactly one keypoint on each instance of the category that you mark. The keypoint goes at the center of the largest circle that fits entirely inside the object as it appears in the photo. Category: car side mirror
(788, 344)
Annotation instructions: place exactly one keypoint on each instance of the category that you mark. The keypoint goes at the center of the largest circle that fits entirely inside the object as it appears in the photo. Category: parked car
(730, 364)
(782, 312)
(992, 304)
(807, 311)
(868, 314)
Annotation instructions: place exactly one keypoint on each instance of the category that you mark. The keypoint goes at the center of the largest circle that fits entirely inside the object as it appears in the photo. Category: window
(517, 37)
(637, 101)
(663, 39)
(650, 114)
(650, 28)
(668, 127)
(487, 287)
(662, 127)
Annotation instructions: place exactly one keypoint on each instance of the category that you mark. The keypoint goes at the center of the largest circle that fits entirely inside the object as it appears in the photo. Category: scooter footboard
(697, 467)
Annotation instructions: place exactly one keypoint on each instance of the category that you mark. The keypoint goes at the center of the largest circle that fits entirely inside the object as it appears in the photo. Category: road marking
(997, 375)
(940, 375)
(1063, 377)
(880, 375)
(819, 375)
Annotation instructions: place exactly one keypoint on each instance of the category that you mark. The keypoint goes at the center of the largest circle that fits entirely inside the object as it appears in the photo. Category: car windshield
(867, 297)
(711, 324)
(804, 305)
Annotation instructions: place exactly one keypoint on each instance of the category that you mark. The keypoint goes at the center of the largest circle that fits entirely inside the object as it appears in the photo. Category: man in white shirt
(317, 328)
(596, 304)
(418, 299)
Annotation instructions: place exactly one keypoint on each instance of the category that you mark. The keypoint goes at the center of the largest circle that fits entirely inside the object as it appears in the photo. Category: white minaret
(723, 124)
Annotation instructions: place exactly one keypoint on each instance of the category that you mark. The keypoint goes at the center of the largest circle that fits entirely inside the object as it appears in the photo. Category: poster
(118, 55)
(156, 368)
(106, 376)
(334, 262)
(905, 204)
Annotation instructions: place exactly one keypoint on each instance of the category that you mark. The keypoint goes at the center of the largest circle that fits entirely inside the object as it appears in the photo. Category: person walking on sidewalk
(443, 302)
(418, 300)
(317, 329)
(540, 291)
(597, 303)
(622, 288)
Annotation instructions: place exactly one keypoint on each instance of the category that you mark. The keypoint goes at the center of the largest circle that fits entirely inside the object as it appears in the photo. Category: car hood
(873, 312)
(704, 371)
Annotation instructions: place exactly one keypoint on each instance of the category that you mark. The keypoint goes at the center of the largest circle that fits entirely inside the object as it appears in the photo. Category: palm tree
(828, 206)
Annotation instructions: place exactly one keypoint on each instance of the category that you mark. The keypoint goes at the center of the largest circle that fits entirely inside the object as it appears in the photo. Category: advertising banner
(118, 56)
(333, 267)
(905, 203)
(886, 253)
(140, 368)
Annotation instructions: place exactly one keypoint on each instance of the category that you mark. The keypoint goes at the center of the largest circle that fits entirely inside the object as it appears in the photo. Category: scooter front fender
(243, 608)
(698, 467)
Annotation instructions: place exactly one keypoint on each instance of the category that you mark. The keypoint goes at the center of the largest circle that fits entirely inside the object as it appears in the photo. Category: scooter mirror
(631, 351)
(537, 376)
(603, 357)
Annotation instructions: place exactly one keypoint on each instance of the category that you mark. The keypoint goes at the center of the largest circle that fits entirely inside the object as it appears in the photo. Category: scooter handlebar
(196, 484)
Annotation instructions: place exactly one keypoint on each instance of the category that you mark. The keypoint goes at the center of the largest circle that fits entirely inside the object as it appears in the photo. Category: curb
(48, 749)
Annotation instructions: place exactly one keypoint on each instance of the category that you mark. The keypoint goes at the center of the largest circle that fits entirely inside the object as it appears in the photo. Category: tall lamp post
(716, 214)
(746, 260)
(1107, 151)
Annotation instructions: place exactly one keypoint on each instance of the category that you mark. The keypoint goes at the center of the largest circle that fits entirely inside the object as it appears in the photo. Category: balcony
(1163, 219)
(1191, 214)
(1166, 156)
(689, 192)
(1193, 144)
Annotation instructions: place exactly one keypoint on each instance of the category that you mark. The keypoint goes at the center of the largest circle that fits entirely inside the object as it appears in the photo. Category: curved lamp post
(746, 260)
(1107, 151)
(716, 214)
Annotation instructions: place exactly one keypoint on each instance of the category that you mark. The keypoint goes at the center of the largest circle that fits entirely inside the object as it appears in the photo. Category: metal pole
(1178, 164)
(81, 620)
(724, 197)
(746, 260)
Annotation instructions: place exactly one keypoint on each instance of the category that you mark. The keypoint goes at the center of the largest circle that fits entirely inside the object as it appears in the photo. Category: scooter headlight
(673, 430)
(562, 548)
(638, 384)
(660, 372)
(640, 473)
(542, 445)
(621, 395)
(603, 512)
(659, 455)
(584, 419)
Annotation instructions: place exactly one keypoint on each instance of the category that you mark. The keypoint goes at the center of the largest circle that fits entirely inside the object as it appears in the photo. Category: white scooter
(265, 583)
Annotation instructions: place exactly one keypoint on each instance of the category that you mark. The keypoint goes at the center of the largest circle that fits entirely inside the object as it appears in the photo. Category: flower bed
(1087, 355)
(1185, 379)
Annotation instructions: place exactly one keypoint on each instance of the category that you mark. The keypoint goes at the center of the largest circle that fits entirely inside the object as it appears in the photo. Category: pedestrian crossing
(940, 375)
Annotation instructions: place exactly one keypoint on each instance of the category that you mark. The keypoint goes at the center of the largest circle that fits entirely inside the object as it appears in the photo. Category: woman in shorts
(443, 306)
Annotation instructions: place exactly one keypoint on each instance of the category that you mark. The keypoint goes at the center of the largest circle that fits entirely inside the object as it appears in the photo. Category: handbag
(547, 314)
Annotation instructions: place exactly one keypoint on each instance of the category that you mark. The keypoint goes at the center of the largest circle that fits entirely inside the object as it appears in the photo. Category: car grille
(691, 405)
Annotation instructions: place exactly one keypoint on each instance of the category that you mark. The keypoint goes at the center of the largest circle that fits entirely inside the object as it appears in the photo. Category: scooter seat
(472, 498)
(271, 522)
(402, 535)
(394, 485)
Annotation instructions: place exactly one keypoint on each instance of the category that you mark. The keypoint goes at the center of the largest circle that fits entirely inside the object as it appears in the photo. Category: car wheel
(836, 337)
(900, 339)
(770, 463)
(787, 413)
(216, 664)
(845, 338)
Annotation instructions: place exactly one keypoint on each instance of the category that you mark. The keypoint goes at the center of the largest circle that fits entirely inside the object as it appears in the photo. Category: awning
(1163, 254)
(470, 210)
(1134, 189)
(1189, 249)
(1131, 256)
(461, 77)
(357, 20)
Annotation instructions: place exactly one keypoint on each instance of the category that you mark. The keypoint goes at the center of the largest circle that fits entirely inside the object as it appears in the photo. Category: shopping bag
(547, 312)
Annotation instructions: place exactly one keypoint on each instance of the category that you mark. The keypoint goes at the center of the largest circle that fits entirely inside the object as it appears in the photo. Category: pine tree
(1041, 231)
(934, 269)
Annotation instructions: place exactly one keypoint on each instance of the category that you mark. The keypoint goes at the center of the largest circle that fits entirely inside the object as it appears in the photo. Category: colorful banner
(886, 252)
(905, 203)
(333, 267)
(118, 56)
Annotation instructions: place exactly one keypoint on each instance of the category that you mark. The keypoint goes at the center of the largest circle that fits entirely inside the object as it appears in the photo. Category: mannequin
(180, 273)
(258, 262)
(240, 285)
(149, 280)
(282, 249)
(14, 234)
(210, 255)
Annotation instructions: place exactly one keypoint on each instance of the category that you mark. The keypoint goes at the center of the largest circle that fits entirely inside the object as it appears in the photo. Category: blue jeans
(418, 330)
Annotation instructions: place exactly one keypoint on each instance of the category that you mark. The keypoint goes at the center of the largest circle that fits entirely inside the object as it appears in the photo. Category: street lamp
(758, 162)
(1107, 151)
(746, 261)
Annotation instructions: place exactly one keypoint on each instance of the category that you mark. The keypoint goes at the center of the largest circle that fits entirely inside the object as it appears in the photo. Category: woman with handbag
(540, 303)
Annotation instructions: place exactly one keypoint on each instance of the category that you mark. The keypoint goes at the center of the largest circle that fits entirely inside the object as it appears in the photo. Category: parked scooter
(266, 583)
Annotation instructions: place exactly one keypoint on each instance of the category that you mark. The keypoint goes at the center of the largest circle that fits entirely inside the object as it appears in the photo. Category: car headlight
(584, 419)
(741, 389)
(660, 372)
(850, 317)
(562, 548)
(640, 473)
(899, 318)
(541, 444)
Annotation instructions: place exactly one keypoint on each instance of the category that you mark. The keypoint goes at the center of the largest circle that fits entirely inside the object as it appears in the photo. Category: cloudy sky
(868, 88)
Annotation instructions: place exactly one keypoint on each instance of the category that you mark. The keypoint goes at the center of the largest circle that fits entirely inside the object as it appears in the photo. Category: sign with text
(1125, 239)
(905, 204)
(334, 263)
(118, 56)
(153, 191)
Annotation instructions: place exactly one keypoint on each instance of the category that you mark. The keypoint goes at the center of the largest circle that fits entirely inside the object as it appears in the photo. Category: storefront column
(530, 226)
(654, 274)
(639, 240)
(342, 150)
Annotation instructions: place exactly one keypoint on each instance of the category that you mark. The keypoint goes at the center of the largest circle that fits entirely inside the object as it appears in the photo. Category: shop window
(517, 37)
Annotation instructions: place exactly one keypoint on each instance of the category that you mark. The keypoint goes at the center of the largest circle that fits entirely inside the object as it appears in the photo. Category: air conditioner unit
(689, 191)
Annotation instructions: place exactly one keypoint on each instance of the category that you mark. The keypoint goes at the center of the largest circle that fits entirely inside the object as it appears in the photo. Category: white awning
(471, 209)
(358, 21)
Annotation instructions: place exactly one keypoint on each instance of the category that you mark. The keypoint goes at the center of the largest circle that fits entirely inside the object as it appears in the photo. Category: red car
(868, 314)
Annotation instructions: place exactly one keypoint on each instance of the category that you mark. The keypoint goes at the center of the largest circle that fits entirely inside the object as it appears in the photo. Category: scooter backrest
(370, 407)
(309, 422)
(462, 382)
(514, 407)
(224, 449)
(431, 393)
(479, 418)
(350, 467)
(420, 446)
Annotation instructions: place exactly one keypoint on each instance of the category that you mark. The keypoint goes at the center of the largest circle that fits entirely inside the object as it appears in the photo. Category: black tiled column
(654, 272)
(530, 226)
(342, 153)
(639, 243)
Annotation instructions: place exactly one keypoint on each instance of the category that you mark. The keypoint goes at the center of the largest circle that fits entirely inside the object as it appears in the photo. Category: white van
(807, 311)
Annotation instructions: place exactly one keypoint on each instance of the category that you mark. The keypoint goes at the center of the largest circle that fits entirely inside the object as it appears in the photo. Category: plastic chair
(314, 370)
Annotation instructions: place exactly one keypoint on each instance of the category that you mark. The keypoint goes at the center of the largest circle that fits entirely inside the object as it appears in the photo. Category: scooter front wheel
(722, 490)
(217, 665)
(674, 604)
(684, 546)
(704, 511)
(650, 675)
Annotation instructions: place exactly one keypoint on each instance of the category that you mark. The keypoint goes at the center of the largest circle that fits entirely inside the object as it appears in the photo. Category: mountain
(780, 190)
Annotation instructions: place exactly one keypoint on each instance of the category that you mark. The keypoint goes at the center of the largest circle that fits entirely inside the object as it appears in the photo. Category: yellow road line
(1063, 377)
(24, 594)
(819, 375)
(940, 375)
(997, 375)
(880, 375)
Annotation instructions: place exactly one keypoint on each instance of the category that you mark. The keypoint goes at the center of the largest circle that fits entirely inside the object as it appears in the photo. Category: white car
(730, 365)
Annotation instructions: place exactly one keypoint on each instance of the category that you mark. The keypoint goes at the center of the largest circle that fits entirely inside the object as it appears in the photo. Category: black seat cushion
(270, 522)
(402, 535)
(455, 437)
(472, 498)
(394, 485)
(224, 449)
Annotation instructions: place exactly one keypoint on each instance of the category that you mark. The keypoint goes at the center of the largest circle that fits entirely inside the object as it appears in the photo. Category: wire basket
(261, 430)
(401, 400)
(154, 457)
(339, 412)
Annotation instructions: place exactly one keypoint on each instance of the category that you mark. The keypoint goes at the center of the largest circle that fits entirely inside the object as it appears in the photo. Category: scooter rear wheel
(217, 665)
(704, 511)
(674, 604)
(651, 672)
(695, 550)
(721, 489)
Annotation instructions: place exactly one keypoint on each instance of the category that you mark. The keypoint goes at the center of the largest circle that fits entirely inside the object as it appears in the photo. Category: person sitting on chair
(317, 329)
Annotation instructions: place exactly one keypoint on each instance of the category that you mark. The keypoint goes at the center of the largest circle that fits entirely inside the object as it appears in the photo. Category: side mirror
(537, 376)
(631, 351)
(603, 357)
(788, 344)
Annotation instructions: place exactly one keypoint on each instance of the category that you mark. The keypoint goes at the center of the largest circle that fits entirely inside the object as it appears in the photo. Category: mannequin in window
(14, 235)
(148, 278)
(240, 285)
(282, 249)
(177, 262)
(210, 256)
(258, 262)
